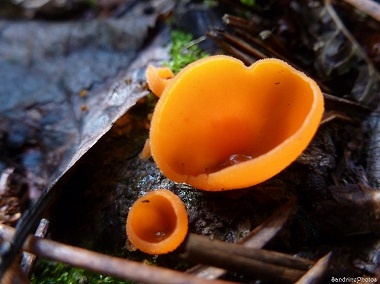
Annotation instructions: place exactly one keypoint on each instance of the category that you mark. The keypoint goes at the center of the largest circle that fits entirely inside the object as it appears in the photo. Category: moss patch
(48, 272)
(184, 50)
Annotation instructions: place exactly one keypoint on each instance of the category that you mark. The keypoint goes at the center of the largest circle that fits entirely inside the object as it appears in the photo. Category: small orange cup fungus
(157, 223)
(221, 125)
(157, 78)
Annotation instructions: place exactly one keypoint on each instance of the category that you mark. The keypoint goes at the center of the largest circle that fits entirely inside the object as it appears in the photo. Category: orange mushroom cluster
(157, 223)
(220, 125)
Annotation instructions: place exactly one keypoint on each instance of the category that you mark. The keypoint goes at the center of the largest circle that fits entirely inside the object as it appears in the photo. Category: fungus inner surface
(154, 219)
(215, 114)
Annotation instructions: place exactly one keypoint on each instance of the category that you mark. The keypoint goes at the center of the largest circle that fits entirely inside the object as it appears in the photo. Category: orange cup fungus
(157, 223)
(157, 78)
(220, 125)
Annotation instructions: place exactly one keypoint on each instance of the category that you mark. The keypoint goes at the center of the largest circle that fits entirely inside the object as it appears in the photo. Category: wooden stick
(14, 275)
(241, 23)
(263, 44)
(257, 238)
(316, 273)
(334, 102)
(242, 45)
(202, 242)
(332, 115)
(104, 264)
(263, 233)
(369, 7)
(247, 59)
(28, 259)
(233, 257)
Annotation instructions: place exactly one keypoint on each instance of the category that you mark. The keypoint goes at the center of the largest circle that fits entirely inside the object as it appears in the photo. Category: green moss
(249, 3)
(49, 272)
(183, 51)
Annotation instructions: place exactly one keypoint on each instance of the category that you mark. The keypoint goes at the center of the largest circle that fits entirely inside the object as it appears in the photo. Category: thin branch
(198, 242)
(359, 50)
(331, 115)
(369, 7)
(241, 23)
(262, 234)
(257, 238)
(316, 273)
(247, 48)
(242, 45)
(104, 264)
(346, 104)
(261, 43)
(14, 275)
(28, 259)
(247, 59)
(263, 264)
(343, 109)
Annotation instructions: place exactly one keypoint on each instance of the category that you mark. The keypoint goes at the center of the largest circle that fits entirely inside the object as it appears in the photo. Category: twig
(342, 109)
(247, 59)
(261, 235)
(332, 115)
(263, 44)
(241, 44)
(265, 265)
(315, 274)
(198, 242)
(14, 275)
(359, 50)
(334, 101)
(104, 264)
(246, 48)
(257, 238)
(369, 7)
(241, 23)
(28, 259)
